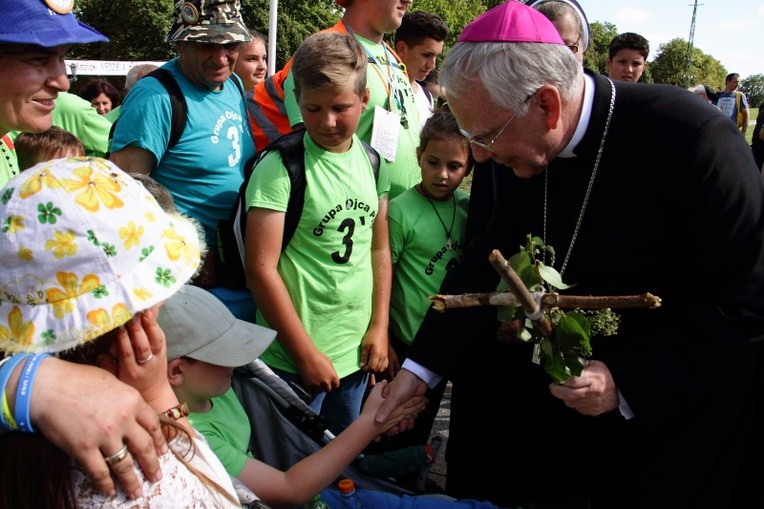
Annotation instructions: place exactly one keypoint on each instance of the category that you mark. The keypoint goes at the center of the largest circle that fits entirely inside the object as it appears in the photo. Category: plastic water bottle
(316, 503)
(347, 491)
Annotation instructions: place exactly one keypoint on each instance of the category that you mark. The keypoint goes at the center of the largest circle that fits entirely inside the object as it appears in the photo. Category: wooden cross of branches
(520, 296)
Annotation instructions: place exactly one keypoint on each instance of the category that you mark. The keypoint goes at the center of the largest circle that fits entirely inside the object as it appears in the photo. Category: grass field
(753, 113)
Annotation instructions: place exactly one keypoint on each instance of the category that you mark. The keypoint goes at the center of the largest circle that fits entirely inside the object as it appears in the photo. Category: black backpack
(177, 103)
(229, 234)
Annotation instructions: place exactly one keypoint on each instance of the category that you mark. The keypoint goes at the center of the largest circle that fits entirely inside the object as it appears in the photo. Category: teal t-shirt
(227, 430)
(204, 171)
(327, 266)
(421, 254)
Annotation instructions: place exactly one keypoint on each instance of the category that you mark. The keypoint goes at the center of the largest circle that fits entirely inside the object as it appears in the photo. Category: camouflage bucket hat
(208, 21)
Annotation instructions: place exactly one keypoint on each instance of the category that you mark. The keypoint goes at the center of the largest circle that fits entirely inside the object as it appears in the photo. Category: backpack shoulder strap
(293, 156)
(177, 101)
(427, 94)
(292, 153)
(237, 80)
(373, 156)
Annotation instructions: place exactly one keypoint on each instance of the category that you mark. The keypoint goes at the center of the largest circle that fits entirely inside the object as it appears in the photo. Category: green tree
(596, 54)
(456, 13)
(296, 20)
(136, 29)
(707, 70)
(670, 66)
(753, 88)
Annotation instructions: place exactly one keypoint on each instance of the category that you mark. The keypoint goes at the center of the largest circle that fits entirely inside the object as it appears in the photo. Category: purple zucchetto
(511, 21)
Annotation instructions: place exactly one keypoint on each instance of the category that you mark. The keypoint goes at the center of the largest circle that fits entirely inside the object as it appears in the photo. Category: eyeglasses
(575, 46)
(487, 146)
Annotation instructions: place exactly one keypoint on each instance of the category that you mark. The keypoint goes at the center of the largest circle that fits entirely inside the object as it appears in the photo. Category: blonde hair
(329, 60)
(157, 190)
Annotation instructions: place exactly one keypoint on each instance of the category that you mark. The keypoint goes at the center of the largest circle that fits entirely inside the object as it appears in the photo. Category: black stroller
(285, 429)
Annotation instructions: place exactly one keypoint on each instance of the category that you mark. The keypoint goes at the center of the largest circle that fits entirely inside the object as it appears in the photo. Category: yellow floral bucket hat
(83, 247)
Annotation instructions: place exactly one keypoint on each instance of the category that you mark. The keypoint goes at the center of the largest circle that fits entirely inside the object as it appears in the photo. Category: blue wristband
(24, 393)
(8, 366)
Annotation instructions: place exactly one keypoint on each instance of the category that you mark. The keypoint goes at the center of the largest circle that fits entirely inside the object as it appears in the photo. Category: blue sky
(732, 31)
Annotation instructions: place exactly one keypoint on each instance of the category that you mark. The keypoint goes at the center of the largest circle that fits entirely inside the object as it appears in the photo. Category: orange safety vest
(265, 104)
(266, 110)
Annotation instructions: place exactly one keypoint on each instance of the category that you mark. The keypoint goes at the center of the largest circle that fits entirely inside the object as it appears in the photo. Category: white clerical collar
(583, 122)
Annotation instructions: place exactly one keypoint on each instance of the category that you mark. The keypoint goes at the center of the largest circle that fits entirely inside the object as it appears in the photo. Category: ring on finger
(144, 361)
(118, 456)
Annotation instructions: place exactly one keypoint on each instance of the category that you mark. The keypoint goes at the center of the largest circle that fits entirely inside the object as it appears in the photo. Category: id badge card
(385, 132)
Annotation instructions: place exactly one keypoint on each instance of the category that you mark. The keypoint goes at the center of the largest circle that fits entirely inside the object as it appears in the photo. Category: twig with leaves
(561, 339)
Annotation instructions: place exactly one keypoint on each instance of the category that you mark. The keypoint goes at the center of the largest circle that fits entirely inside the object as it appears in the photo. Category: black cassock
(675, 210)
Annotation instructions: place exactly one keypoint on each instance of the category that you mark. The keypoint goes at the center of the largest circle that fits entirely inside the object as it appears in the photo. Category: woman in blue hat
(90, 413)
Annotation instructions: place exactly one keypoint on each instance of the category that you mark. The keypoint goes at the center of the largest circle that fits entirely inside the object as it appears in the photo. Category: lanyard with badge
(386, 125)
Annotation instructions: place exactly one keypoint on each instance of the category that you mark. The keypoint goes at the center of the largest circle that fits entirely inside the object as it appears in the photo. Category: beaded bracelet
(24, 393)
(7, 366)
(178, 411)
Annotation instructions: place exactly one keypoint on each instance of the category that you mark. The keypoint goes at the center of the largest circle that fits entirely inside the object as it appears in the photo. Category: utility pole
(690, 42)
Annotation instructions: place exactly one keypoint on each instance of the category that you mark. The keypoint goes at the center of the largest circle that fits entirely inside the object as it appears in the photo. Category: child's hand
(374, 350)
(406, 410)
(318, 373)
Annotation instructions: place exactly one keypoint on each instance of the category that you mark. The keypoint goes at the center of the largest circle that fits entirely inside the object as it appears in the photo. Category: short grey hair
(556, 9)
(510, 71)
(137, 72)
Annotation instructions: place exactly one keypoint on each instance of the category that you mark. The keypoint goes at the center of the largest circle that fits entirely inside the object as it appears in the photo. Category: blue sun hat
(46, 23)
(84, 247)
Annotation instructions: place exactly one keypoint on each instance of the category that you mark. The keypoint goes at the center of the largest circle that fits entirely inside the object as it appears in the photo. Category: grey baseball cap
(198, 325)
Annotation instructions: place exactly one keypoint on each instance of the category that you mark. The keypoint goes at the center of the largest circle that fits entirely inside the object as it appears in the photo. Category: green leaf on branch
(526, 269)
(551, 276)
(555, 366)
(564, 353)
(572, 332)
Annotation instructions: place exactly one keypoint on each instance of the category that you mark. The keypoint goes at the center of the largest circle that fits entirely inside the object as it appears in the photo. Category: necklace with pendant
(589, 187)
(449, 241)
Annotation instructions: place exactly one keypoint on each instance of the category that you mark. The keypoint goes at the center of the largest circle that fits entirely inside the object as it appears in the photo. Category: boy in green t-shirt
(327, 294)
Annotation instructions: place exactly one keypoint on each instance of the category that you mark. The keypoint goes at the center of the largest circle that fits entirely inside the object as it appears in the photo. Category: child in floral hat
(88, 255)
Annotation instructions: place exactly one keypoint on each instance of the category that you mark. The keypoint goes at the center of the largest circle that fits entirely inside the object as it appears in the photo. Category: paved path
(440, 427)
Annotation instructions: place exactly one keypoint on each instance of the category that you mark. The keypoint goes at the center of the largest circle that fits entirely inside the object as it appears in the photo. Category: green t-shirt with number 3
(327, 266)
